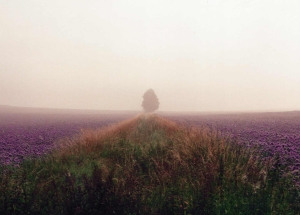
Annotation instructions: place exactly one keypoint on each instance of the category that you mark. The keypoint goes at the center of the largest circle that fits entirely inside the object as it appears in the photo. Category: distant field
(34, 131)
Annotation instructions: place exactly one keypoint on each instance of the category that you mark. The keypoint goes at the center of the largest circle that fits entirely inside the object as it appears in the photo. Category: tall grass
(147, 165)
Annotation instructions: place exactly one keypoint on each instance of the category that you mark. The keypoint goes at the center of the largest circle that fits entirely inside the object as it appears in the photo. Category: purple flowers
(277, 134)
(33, 134)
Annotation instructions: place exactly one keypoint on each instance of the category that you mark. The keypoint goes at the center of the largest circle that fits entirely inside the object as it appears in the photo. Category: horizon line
(158, 111)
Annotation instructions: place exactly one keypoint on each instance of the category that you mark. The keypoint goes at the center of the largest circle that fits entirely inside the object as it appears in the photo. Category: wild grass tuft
(147, 165)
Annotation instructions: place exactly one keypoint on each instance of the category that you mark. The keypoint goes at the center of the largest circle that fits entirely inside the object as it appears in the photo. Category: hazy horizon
(198, 56)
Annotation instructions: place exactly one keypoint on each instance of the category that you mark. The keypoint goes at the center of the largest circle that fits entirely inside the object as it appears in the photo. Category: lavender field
(277, 134)
(29, 132)
(34, 132)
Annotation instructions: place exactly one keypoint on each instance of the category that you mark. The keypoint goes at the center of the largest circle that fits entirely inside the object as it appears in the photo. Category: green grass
(147, 165)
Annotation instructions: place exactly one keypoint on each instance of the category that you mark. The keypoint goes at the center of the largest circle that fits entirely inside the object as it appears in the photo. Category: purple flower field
(34, 132)
(276, 133)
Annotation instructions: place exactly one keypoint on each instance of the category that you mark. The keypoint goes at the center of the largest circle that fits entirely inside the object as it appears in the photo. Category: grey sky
(217, 55)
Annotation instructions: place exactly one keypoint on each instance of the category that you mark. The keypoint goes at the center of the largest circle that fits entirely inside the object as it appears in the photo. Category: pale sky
(202, 55)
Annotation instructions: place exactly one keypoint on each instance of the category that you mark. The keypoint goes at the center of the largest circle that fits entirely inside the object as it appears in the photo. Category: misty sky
(202, 55)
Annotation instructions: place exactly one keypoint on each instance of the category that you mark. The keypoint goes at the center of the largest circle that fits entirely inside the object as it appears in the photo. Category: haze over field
(196, 55)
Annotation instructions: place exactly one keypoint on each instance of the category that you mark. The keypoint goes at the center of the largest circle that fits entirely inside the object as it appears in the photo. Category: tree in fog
(150, 101)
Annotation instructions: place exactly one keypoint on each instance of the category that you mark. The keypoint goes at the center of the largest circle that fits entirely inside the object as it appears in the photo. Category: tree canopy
(150, 101)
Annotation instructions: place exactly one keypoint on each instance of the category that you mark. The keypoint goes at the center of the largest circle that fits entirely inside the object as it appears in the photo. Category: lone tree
(150, 102)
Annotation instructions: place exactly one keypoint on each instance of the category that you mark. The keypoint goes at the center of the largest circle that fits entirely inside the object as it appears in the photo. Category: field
(148, 164)
(277, 134)
(33, 132)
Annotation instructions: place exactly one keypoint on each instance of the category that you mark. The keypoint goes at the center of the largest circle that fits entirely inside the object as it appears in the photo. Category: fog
(222, 55)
